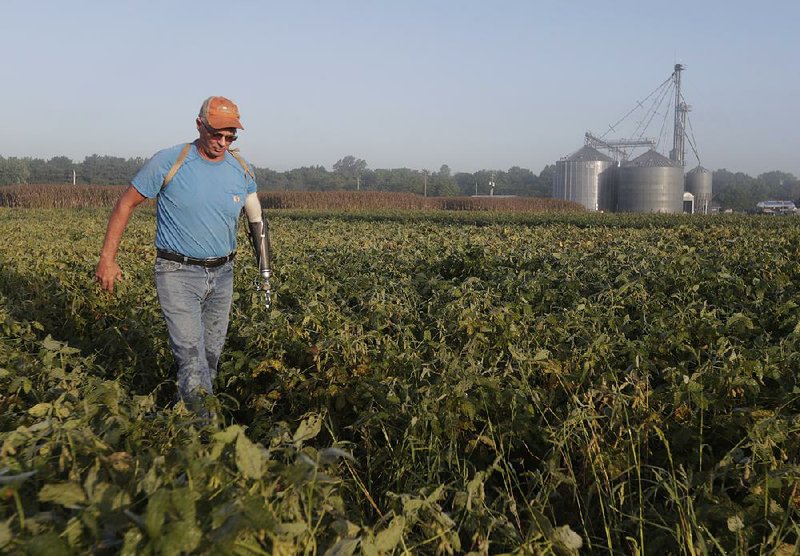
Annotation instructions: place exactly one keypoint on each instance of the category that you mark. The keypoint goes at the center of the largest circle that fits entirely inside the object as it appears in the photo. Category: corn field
(88, 196)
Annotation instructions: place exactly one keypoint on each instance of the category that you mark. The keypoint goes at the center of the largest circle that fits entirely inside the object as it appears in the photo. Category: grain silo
(581, 177)
(650, 183)
(698, 183)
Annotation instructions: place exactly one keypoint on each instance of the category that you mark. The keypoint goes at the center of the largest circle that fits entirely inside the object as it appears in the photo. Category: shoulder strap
(176, 166)
(240, 160)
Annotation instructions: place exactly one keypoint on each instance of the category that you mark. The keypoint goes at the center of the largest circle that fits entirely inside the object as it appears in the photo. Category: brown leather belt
(208, 263)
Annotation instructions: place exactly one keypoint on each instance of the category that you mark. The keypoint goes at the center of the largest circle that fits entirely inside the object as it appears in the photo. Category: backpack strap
(244, 165)
(176, 166)
(181, 157)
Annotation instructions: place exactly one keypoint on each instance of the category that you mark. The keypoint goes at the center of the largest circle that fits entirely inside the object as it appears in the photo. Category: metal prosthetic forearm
(259, 236)
(259, 239)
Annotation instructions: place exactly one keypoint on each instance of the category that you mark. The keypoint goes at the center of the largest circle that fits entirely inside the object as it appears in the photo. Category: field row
(421, 384)
(93, 196)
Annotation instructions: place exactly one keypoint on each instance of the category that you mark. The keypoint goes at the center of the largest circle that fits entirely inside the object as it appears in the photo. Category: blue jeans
(196, 304)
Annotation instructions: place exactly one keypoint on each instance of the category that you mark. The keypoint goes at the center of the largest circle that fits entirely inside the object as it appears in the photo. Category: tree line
(737, 191)
(349, 173)
(740, 192)
(94, 170)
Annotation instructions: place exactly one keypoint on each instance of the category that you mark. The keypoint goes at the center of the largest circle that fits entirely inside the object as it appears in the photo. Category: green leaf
(386, 540)
(368, 547)
(228, 435)
(180, 537)
(735, 524)
(740, 322)
(345, 528)
(152, 480)
(308, 429)
(130, 546)
(292, 529)
(411, 505)
(541, 524)
(542, 355)
(50, 344)
(436, 495)
(110, 497)
(70, 495)
(184, 502)
(40, 409)
(344, 547)
(154, 515)
(73, 532)
(475, 489)
(47, 544)
(248, 457)
(222, 439)
(564, 537)
(6, 535)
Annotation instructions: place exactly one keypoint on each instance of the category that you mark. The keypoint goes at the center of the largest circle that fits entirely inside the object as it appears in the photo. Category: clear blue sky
(471, 84)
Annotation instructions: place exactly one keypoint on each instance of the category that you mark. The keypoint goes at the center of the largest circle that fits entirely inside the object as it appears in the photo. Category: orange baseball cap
(220, 113)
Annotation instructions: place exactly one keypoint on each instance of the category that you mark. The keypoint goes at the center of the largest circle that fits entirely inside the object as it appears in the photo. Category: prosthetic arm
(258, 230)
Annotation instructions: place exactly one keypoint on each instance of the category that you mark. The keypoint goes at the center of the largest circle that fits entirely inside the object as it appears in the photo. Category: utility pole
(491, 185)
(425, 183)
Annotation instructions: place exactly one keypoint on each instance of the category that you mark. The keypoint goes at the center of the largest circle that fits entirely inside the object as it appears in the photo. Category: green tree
(351, 168)
(781, 185)
(734, 190)
(466, 183)
(311, 178)
(441, 183)
(402, 180)
(60, 168)
(14, 171)
(38, 170)
(270, 179)
(544, 184)
(109, 170)
(520, 180)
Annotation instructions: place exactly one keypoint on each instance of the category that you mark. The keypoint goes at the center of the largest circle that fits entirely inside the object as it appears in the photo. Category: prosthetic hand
(259, 237)
(258, 230)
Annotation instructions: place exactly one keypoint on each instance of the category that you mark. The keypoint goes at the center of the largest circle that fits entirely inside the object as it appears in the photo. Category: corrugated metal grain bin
(699, 183)
(650, 183)
(581, 177)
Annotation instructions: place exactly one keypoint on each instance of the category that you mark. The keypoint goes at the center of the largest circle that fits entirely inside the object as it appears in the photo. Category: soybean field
(424, 383)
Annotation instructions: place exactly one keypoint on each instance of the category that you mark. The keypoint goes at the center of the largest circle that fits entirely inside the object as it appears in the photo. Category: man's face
(214, 142)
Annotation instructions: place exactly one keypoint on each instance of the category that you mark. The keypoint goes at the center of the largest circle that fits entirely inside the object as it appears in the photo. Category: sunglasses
(217, 136)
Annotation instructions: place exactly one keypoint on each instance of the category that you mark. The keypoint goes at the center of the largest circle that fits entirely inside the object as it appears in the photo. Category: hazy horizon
(469, 84)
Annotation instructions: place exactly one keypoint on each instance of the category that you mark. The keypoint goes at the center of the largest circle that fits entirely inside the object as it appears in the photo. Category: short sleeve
(149, 179)
(252, 186)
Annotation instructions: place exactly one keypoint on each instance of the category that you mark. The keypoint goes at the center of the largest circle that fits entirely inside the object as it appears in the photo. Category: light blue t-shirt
(198, 210)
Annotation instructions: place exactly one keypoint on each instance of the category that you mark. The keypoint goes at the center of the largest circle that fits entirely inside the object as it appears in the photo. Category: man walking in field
(200, 188)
